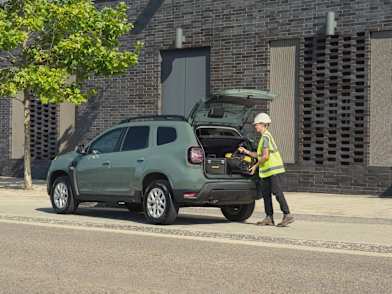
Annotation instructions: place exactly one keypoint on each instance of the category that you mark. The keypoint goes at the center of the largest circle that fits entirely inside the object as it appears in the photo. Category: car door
(133, 156)
(93, 170)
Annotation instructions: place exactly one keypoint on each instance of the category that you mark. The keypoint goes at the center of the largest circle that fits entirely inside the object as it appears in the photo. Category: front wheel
(61, 196)
(238, 213)
(159, 207)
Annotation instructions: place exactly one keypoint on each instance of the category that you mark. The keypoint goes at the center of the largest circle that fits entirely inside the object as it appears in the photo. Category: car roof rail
(154, 117)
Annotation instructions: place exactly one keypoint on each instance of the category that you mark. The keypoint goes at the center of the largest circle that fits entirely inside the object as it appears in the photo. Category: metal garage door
(184, 79)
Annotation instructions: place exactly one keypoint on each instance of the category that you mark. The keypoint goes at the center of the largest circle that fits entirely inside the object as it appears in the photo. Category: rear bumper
(220, 193)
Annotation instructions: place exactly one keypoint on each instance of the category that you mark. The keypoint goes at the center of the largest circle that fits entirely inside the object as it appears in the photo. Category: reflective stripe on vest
(274, 164)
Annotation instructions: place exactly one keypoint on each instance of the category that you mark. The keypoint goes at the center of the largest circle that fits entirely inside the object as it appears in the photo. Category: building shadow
(15, 168)
(147, 14)
(85, 118)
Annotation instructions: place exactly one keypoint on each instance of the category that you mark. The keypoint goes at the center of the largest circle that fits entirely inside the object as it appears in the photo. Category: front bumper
(220, 193)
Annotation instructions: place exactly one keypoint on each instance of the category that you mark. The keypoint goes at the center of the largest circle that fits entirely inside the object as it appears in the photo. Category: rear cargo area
(218, 143)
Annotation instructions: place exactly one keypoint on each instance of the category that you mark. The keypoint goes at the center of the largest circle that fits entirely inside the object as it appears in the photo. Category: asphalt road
(40, 258)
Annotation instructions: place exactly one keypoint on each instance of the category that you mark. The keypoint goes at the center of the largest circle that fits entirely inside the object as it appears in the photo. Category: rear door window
(166, 135)
(136, 138)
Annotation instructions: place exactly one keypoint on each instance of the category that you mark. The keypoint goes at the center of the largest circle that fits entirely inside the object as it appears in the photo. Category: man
(271, 169)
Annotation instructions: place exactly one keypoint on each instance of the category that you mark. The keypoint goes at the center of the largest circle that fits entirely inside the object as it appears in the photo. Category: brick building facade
(339, 130)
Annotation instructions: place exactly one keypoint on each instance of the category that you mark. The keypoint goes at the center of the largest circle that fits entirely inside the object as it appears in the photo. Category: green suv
(158, 164)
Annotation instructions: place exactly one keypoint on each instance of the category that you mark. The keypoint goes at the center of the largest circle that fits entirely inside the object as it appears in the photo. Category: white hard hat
(262, 118)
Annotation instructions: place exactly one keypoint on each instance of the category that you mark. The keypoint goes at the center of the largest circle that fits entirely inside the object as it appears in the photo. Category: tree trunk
(28, 183)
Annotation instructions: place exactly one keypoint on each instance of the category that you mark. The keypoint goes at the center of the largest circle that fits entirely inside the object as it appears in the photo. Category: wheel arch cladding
(148, 179)
(56, 174)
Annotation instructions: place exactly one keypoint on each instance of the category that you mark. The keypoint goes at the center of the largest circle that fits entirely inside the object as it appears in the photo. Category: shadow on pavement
(122, 214)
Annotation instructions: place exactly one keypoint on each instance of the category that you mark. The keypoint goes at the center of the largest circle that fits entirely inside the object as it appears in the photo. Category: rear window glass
(216, 132)
(136, 138)
(166, 135)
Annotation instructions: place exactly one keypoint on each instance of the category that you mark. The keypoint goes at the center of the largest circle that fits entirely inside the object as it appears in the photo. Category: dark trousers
(269, 186)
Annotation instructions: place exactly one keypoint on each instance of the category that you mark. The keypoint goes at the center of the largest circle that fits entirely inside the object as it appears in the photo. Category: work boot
(287, 219)
(268, 221)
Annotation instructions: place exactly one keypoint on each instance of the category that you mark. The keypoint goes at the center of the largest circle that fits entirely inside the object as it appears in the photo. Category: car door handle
(106, 164)
(140, 160)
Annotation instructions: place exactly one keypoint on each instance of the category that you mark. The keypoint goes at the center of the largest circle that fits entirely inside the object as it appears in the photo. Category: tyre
(238, 213)
(134, 207)
(61, 196)
(158, 205)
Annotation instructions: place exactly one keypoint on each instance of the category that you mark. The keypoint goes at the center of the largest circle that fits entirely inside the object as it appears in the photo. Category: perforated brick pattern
(43, 130)
(334, 99)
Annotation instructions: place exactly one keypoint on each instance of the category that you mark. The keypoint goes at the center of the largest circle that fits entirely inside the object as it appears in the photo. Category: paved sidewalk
(302, 203)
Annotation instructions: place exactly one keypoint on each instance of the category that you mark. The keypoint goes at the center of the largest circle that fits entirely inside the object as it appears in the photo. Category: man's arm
(247, 152)
(265, 154)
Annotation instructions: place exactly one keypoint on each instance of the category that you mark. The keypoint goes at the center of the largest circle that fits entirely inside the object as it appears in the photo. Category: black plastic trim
(155, 118)
(220, 193)
(136, 198)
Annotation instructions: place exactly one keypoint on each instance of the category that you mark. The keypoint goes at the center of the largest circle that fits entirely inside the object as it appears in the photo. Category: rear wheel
(62, 197)
(159, 207)
(238, 213)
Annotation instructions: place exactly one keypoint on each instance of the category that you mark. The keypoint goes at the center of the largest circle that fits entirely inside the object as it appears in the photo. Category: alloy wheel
(60, 195)
(156, 203)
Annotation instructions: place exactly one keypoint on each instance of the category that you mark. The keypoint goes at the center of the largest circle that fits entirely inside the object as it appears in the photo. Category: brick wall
(238, 34)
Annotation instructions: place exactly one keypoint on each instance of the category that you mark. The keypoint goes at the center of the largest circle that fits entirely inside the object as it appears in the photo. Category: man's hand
(252, 170)
(243, 150)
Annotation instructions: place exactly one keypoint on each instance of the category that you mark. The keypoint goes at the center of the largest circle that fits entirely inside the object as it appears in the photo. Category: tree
(45, 42)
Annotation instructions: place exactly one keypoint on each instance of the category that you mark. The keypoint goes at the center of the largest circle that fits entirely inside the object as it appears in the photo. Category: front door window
(108, 142)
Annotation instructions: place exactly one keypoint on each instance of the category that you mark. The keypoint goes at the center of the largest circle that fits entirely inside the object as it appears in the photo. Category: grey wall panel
(66, 127)
(184, 79)
(17, 137)
(283, 82)
(381, 100)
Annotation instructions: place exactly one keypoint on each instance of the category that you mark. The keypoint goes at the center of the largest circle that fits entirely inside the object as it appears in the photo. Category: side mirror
(94, 152)
(81, 149)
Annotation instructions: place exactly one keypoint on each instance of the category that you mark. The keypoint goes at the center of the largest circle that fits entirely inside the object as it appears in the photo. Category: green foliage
(45, 42)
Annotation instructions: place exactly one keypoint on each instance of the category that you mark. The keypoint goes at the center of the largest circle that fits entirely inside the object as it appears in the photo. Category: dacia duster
(161, 163)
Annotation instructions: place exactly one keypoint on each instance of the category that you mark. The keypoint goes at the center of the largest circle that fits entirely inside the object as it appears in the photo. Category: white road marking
(204, 239)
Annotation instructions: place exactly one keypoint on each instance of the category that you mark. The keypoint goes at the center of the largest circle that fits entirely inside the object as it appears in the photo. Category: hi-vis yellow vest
(274, 164)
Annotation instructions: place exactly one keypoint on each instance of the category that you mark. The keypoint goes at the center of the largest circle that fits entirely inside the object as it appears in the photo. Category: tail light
(190, 195)
(195, 155)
